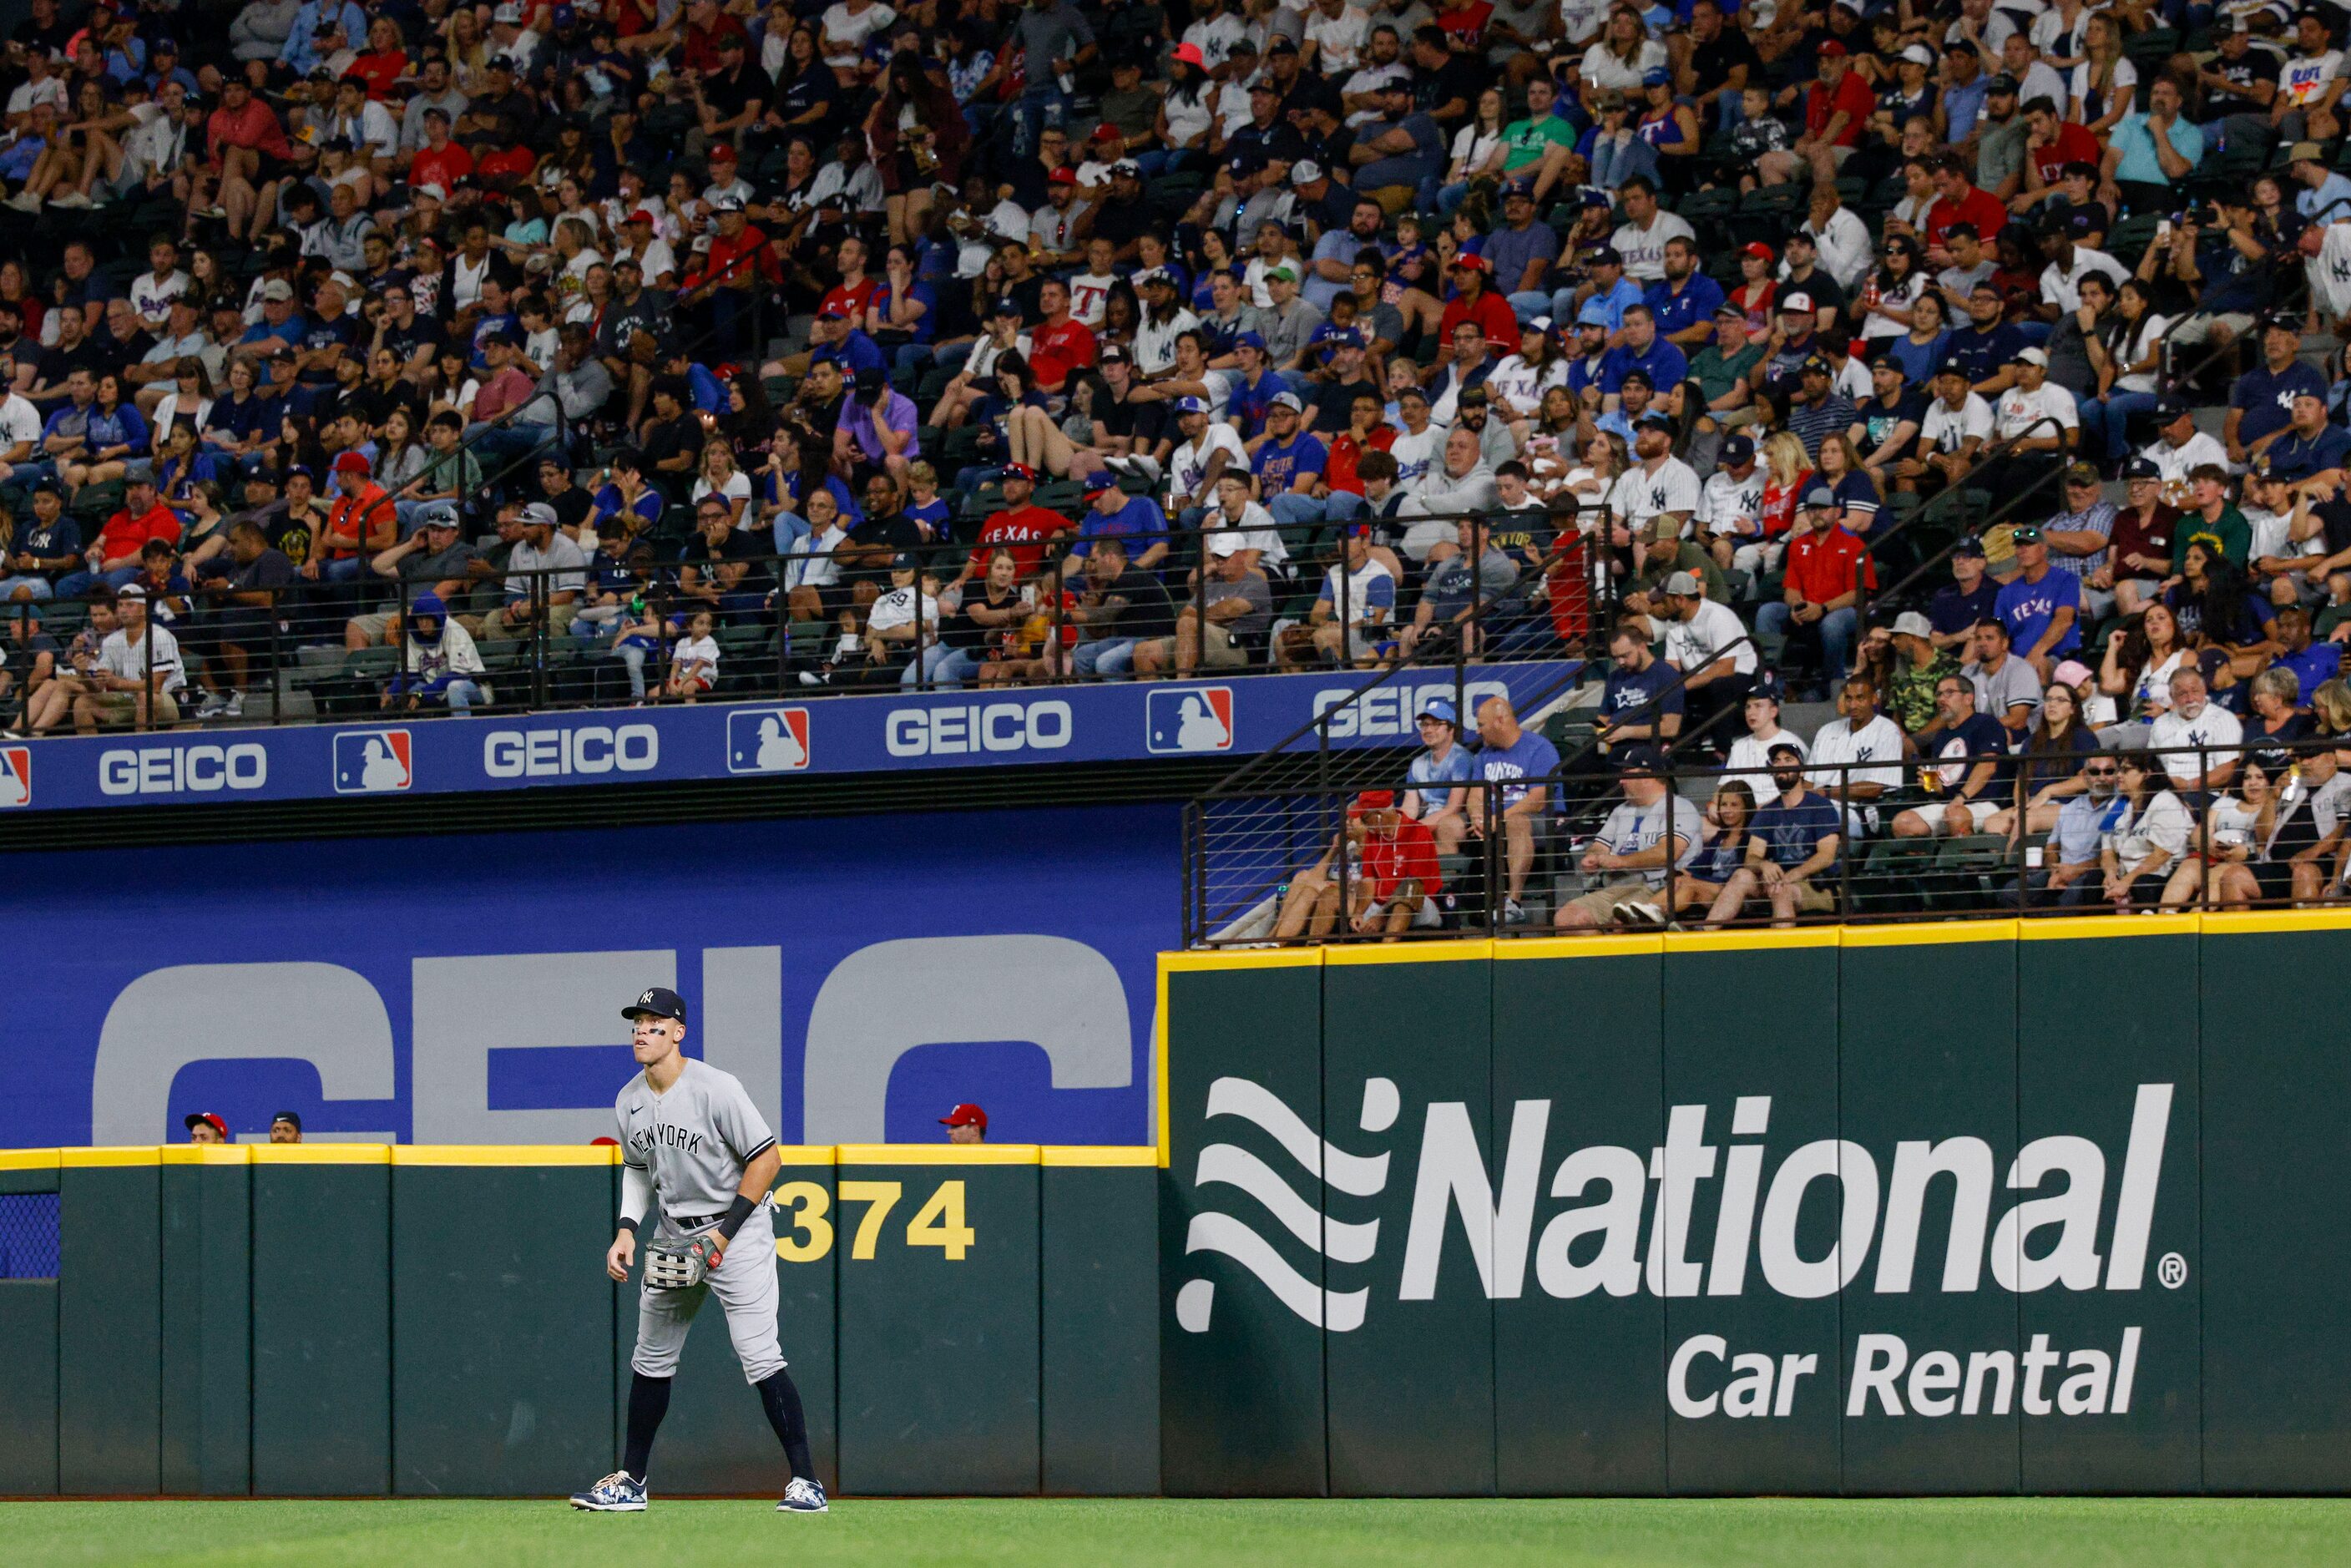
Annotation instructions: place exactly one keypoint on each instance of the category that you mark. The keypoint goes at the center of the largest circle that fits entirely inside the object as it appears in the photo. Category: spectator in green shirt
(1721, 368)
(1524, 141)
(2212, 518)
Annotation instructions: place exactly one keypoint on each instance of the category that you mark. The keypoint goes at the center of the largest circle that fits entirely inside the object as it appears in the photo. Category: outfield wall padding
(1974, 1208)
(369, 1320)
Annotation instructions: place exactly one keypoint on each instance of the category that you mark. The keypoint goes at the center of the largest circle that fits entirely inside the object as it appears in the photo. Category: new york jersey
(696, 1140)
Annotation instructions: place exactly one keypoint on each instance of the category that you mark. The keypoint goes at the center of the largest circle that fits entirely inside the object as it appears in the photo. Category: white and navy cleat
(803, 1496)
(619, 1493)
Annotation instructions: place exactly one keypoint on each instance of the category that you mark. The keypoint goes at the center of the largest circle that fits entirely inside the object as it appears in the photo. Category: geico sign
(558, 752)
(1394, 710)
(199, 769)
(1626, 1221)
(963, 730)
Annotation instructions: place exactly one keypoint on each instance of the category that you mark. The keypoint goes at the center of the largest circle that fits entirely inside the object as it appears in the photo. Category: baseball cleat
(803, 1496)
(618, 1493)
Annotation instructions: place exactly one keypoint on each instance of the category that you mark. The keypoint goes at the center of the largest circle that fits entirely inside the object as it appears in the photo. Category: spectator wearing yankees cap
(967, 1124)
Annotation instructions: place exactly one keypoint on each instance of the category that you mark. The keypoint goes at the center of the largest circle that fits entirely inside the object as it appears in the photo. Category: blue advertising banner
(1131, 721)
(861, 976)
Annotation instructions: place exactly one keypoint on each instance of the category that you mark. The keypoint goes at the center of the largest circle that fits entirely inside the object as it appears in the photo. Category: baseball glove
(678, 1263)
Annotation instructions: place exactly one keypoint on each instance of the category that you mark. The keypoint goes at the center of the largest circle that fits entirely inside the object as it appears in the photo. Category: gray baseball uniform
(691, 1145)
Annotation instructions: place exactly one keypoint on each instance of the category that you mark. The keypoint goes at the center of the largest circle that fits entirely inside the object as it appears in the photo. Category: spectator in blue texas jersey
(1437, 792)
(1642, 350)
(2041, 606)
(2260, 403)
(1963, 763)
(1682, 304)
(1516, 765)
(1289, 464)
(1791, 840)
(1641, 702)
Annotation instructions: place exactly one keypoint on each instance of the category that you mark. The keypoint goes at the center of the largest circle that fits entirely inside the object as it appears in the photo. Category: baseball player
(694, 1144)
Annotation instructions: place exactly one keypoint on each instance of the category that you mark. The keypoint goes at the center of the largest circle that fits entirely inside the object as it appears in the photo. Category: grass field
(1766, 1532)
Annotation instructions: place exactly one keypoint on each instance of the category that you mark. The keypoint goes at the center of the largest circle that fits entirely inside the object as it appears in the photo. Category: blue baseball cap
(1656, 76)
(1439, 708)
(1250, 340)
(1191, 405)
(1593, 314)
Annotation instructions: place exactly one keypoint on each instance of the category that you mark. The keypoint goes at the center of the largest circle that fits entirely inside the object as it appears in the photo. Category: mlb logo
(768, 740)
(1188, 721)
(373, 762)
(15, 776)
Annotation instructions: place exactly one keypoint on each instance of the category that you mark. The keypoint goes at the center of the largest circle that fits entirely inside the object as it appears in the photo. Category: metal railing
(798, 623)
(1912, 839)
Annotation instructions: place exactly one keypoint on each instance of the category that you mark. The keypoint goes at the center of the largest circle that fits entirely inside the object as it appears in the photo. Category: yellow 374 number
(804, 1207)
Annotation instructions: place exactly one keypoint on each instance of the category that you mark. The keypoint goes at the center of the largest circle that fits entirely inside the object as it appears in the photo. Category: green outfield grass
(1766, 1532)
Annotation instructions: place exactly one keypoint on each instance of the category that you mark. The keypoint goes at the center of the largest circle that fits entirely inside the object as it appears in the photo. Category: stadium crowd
(1000, 342)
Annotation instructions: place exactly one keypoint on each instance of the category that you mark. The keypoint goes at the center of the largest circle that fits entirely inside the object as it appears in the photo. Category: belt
(695, 1221)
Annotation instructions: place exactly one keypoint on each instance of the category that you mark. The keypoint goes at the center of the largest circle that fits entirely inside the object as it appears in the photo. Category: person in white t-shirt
(139, 675)
(693, 663)
(151, 293)
(847, 25)
(1657, 485)
(1750, 754)
(2194, 720)
(1193, 466)
(1857, 757)
(1708, 644)
(1090, 289)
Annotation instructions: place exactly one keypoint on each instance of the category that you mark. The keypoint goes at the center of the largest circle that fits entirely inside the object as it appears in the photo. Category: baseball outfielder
(694, 1144)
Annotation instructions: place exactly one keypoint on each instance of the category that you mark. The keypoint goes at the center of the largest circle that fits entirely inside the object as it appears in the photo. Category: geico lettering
(1620, 1198)
(201, 769)
(962, 731)
(560, 751)
(1394, 710)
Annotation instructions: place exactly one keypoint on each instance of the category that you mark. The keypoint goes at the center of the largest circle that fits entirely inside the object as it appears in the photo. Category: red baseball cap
(1062, 177)
(1191, 56)
(966, 1117)
(1471, 260)
(1375, 800)
(1759, 250)
(192, 1117)
(1831, 50)
(352, 463)
(638, 216)
(1106, 132)
(721, 152)
(1019, 470)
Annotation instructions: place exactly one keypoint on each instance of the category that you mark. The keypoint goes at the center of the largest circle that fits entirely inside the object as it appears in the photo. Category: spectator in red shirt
(731, 270)
(1475, 301)
(1062, 344)
(1020, 529)
(1836, 108)
(1390, 883)
(1826, 568)
(1957, 200)
(854, 292)
(245, 149)
(440, 162)
(2051, 142)
(701, 23)
(115, 556)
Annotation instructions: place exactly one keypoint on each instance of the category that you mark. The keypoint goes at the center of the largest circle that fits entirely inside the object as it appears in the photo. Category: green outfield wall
(2058, 1206)
(363, 1320)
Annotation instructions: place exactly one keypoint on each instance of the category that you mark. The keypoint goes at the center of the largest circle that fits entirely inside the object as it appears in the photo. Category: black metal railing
(2188, 829)
(800, 623)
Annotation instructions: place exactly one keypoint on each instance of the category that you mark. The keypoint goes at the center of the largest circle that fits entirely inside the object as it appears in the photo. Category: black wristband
(736, 1213)
(628, 1224)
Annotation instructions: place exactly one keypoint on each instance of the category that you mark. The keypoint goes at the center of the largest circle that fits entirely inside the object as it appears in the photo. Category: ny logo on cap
(646, 1000)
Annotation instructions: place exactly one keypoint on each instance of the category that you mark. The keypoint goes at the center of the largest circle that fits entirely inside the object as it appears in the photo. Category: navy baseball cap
(1737, 449)
(2142, 468)
(1969, 546)
(1640, 760)
(656, 1002)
